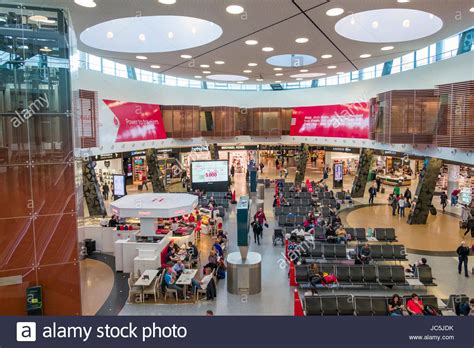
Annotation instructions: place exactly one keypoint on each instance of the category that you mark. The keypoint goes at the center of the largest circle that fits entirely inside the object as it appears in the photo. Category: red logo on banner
(137, 121)
(342, 121)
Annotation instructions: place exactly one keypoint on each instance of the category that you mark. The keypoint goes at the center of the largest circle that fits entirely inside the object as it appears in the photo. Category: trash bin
(90, 246)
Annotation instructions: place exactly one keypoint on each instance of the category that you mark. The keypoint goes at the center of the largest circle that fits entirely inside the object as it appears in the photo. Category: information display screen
(119, 185)
(210, 175)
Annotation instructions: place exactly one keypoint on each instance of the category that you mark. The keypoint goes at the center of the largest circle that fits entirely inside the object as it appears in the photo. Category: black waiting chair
(301, 274)
(376, 251)
(343, 274)
(345, 304)
(363, 305)
(370, 276)
(313, 305)
(399, 252)
(398, 275)
(390, 235)
(360, 234)
(357, 275)
(330, 251)
(387, 252)
(341, 252)
(380, 234)
(425, 276)
(385, 275)
(329, 305)
(379, 306)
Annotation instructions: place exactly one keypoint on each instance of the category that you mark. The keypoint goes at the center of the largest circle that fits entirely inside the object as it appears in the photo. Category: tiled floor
(440, 234)
(97, 283)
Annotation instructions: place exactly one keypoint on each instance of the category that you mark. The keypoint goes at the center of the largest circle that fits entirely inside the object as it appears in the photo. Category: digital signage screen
(119, 185)
(210, 175)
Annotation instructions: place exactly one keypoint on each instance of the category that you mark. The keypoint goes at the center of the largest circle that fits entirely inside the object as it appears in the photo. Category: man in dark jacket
(463, 253)
(257, 231)
(372, 194)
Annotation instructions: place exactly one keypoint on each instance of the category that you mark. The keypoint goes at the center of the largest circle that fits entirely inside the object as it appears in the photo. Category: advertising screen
(210, 175)
(119, 185)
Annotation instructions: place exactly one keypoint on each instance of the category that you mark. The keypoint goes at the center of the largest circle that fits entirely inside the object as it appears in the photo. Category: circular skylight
(306, 75)
(187, 32)
(223, 77)
(392, 25)
(291, 60)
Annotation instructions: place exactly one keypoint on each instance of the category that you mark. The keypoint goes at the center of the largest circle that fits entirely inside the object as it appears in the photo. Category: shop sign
(341, 149)
(137, 153)
(238, 147)
(107, 156)
(201, 148)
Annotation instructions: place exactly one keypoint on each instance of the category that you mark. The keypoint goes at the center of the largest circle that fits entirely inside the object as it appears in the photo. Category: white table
(186, 278)
(146, 282)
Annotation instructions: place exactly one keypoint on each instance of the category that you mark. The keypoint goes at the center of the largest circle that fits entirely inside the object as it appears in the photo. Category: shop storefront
(190, 154)
(108, 165)
(347, 156)
(239, 156)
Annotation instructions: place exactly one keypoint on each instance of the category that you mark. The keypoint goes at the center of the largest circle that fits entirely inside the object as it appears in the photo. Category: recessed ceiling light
(247, 71)
(251, 42)
(387, 48)
(340, 73)
(206, 72)
(301, 40)
(38, 18)
(406, 23)
(110, 35)
(375, 24)
(307, 75)
(45, 49)
(204, 66)
(219, 62)
(85, 3)
(471, 9)
(267, 49)
(278, 81)
(252, 64)
(259, 79)
(240, 82)
(198, 77)
(366, 55)
(304, 70)
(279, 74)
(326, 56)
(335, 12)
(299, 79)
(167, 2)
(226, 77)
(142, 37)
(186, 56)
(403, 1)
(332, 67)
(141, 57)
(278, 69)
(170, 35)
(234, 9)
(155, 66)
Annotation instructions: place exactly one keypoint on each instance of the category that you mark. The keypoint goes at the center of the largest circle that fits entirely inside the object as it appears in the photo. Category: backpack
(431, 311)
(329, 279)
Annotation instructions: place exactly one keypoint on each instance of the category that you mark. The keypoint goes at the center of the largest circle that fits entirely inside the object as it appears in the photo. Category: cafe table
(185, 278)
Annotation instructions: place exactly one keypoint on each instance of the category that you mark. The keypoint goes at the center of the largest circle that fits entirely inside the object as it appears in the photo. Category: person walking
(261, 166)
(407, 196)
(396, 191)
(378, 181)
(443, 200)
(257, 231)
(277, 164)
(401, 206)
(105, 191)
(463, 253)
(144, 182)
(232, 171)
(394, 205)
(372, 193)
(470, 226)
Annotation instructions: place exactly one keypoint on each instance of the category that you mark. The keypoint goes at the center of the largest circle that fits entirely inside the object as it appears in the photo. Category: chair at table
(151, 290)
(133, 291)
(171, 292)
(199, 292)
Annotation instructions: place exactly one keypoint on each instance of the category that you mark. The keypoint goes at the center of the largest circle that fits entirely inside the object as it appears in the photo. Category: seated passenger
(420, 263)
(365, 254)
(174, 225)
(315, 277)
(171, 257)
(341, 234)
(212, 259)
(415, 305)
(178, 268)
(204, 282)
(330, 234)
(170, 282)
(395, 306)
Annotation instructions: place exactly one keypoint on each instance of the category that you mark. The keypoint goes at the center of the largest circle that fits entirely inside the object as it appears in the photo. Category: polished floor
(436, 241)
(97, 283)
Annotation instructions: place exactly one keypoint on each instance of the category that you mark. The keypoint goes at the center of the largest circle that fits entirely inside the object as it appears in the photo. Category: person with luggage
(463, 254)
(443, 200)
(257, 231)
(378, 182)
(454, 197)
(470, 226)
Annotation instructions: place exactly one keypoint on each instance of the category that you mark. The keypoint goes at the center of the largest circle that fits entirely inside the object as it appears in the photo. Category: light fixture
(302, 40)
(167, 2)
(198, 77)
(240, 82)
(251, 42)
(206, 72)
(170, 35)
(142, 37)
(403, 1)
(278, 81)
(247, 71)
(204, 66)
(155, 66)
(38, 18)
(279, 74)
(387, 48)
(45, 49)
(471, 9)
(141, 57)
(267, 49)
(259, 79)
(340, 73)
(219, 62)
(366, 55)
(278, 69)
(252, 64)
(110, 35)
(326, 56)
(332, 67)
(299, 79)
(375, 24)
(406, 23)
(186, 56)
(85, 3)
(335, 12)
(304, 70)
(234, 9)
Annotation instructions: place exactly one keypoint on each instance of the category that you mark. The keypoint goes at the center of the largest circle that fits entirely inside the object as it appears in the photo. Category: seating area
(325, 251)
(388, 252)
(355, 305)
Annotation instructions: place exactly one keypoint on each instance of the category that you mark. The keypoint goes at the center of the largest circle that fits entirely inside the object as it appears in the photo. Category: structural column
(301, 164)
(453, 177)
(91, 187)
(424, 192)
(360, 180)
(213, 150)
(154, 172)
